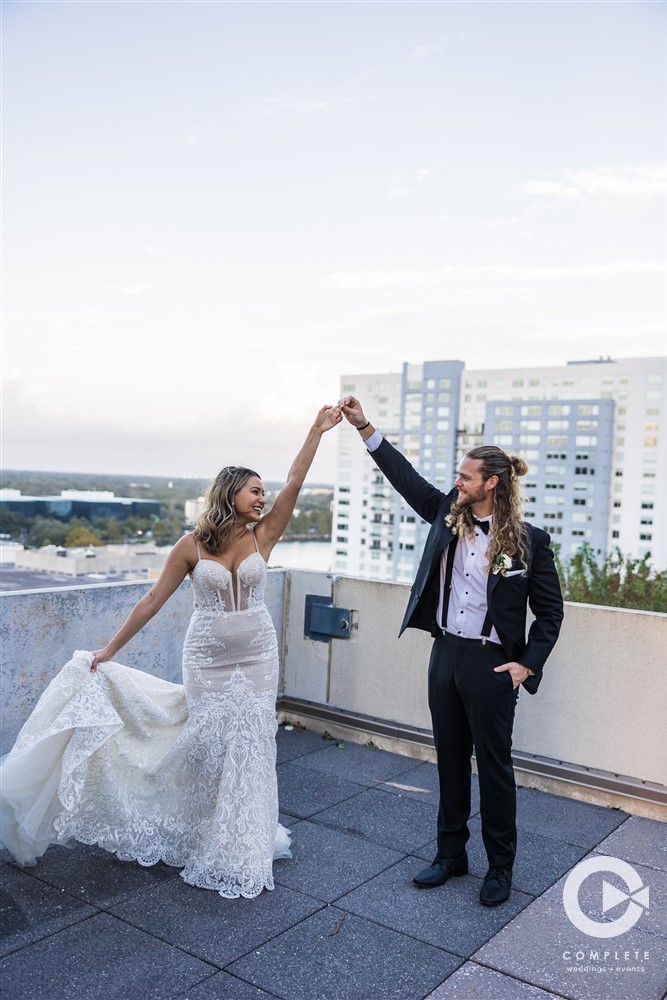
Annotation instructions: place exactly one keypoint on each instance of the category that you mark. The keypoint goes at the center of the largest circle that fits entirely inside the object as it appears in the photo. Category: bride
(155, 771)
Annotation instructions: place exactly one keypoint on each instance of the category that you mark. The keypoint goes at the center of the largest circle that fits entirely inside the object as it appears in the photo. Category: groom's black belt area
(460, 640)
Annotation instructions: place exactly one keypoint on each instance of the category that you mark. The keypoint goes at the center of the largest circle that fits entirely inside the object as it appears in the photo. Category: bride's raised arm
(273, 524)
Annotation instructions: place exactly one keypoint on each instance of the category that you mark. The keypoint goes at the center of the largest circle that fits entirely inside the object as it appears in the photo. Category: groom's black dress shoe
(496, 887)
(441, 870)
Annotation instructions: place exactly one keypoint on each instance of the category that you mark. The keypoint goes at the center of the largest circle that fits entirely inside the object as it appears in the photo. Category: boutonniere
(501, 563)
(450, 522)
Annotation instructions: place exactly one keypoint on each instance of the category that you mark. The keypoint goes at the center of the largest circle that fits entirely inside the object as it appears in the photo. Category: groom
(481, 566)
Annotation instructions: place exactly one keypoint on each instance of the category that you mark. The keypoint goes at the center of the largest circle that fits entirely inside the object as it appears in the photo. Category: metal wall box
(323, 621)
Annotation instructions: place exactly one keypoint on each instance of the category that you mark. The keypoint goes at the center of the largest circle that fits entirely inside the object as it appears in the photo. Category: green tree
(617, 581)
(47, 531)
(167, 531)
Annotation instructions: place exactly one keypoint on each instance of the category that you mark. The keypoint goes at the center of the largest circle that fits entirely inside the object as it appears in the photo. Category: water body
(302, 555)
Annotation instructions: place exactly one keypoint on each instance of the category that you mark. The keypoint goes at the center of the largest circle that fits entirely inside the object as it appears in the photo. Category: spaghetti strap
(255, 540)
(197, 547)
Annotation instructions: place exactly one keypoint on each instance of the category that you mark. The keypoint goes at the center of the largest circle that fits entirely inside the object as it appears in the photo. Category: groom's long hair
(215, 525)
(509, 528)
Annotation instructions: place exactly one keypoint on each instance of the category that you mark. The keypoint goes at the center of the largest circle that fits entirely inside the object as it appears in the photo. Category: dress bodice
(217, 589)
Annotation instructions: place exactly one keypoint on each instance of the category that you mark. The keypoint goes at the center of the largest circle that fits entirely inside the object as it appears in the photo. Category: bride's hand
(99, 656)
(327, 417)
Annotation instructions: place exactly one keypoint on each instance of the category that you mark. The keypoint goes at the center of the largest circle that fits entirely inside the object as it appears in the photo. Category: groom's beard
(470, 497)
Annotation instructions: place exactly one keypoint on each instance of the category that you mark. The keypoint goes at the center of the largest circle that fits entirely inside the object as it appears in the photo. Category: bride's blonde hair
(215, 525)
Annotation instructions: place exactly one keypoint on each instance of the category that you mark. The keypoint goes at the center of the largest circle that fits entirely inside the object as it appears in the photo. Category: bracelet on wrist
(367, 424)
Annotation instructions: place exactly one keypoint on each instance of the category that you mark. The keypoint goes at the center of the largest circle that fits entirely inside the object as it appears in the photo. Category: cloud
(139, 288)
(647, 180)
(491, 273)
(292, 108)
(425, 50)
(406, 184)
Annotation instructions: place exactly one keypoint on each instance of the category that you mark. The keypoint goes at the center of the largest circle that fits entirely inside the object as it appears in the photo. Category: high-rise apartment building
(592, 433)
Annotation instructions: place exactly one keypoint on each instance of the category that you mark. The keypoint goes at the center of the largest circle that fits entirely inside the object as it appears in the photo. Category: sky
(212, 211)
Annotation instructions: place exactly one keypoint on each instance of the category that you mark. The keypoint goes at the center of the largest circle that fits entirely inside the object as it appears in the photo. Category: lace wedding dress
(156, 771)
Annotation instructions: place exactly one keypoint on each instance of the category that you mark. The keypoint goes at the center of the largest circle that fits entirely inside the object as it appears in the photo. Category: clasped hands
(347, 407)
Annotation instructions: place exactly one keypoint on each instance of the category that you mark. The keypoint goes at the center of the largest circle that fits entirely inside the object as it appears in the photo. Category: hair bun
(519, 466)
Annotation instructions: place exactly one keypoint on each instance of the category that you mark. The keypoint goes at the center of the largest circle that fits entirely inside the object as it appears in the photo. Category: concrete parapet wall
(602, 703)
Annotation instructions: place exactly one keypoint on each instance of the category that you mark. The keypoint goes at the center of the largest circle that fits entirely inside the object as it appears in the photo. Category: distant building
(90, 504)
(136, 561)
(592, 433)
(193, 509)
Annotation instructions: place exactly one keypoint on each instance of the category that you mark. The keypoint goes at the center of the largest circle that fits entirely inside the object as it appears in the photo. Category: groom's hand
(352, 411)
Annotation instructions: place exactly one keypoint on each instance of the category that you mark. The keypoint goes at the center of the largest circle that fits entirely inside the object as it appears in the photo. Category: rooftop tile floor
(345, 921)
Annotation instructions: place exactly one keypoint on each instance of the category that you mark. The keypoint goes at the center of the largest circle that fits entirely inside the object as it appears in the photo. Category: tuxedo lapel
(491, 585)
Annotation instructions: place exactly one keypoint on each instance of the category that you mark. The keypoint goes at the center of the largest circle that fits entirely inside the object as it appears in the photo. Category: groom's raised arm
(424, 498)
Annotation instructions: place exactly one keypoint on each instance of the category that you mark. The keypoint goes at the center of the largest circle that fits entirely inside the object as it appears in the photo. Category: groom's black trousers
(473, 706)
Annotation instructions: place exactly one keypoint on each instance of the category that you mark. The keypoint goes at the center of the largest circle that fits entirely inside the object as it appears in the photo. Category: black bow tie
(484, 525)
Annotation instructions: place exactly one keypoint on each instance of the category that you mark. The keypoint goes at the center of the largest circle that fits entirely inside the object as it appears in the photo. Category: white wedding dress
(155, 771)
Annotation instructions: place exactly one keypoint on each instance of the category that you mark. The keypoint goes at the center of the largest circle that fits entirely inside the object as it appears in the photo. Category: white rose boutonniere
(501, 563)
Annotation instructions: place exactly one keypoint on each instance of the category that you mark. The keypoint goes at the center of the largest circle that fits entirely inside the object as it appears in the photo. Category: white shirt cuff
(374, 441)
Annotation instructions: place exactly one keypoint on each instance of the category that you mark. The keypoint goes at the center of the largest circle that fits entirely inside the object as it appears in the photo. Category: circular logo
(636, 897)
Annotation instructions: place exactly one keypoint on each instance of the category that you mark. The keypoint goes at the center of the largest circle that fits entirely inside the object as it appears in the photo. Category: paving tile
(472, 982)
(448, 917)
(390, 820)
(96, 875)
(99, 959)
(303, 791)
(327, 863)
(567, 820)
(337, 956)
(222, 986)
(215, 929)
(297, 743)
(287, 820)
(640, 840)
(421, 783)
(540, 946)
(539, 861)
(30, 910)
(365, 765)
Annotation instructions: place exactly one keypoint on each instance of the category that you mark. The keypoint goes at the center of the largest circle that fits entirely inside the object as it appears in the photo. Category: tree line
(313, 520)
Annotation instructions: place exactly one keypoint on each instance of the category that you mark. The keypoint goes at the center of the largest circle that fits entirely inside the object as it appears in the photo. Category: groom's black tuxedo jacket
(507, 597)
